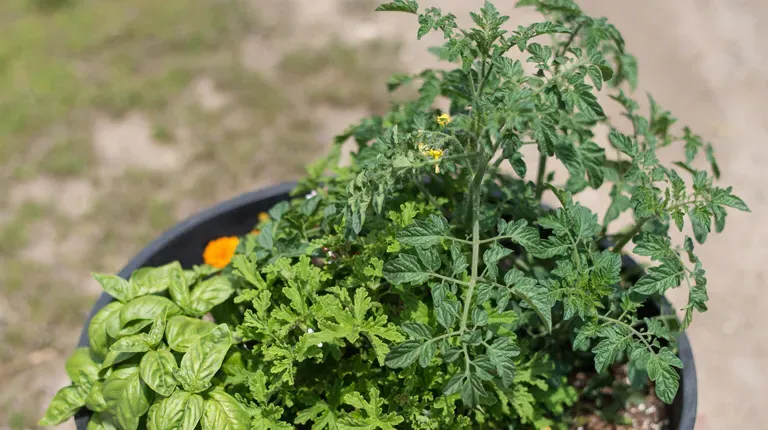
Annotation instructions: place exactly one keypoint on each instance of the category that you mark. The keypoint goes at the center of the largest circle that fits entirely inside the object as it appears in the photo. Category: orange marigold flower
(263, 217)
(219, 252)
(255, 231)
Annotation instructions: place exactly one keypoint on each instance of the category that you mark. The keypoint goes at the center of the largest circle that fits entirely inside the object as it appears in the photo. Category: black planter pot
(186, 241)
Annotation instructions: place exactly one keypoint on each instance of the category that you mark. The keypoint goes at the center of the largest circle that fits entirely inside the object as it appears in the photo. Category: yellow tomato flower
(421, 146)
(263, 217)
(220, 251)
(435, 153)
(444, 119)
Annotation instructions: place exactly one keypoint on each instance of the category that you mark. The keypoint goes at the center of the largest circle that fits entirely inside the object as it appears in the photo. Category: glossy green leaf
(98, 337)
(209, 293)
(147, 308)
(81, 367)
(204, 359)
(222, 412)
(116, 286)
(182, 410)
(127, 396)
(158, 369)
(63, 406)
(152, 280)
(182, 331)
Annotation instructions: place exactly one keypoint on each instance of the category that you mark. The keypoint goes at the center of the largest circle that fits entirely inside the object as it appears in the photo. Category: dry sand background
(701, 59)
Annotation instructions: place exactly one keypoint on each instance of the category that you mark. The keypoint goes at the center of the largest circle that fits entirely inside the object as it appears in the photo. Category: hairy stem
(627, 237)
(630, 328)
(473, 279)
(540, 177)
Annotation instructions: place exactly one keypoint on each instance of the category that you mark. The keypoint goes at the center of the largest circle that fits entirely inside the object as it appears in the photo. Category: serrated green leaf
(405, 269)
(608, 350)
(623, 143)
(459, 260)
(409, 6)
(417, 331)
(652, 245)
(661, 371)
(659, 279)
(404, 354)
(447, 313)
(519, 232)
(429, 258)
(424, 233)
(491, 258)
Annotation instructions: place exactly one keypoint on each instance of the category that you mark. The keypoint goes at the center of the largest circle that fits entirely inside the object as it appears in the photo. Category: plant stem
(627, 237)
(540, 178)
(473, 279)
(632, 329)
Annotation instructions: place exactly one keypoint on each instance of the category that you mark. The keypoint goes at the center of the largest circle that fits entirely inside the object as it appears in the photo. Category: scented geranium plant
(422, 287)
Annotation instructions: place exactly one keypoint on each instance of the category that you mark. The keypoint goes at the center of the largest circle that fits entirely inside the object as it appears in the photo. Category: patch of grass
(254, 91)
(15, 235)
(162, 134)
(71, 157)
(111, 55)
(341, 75)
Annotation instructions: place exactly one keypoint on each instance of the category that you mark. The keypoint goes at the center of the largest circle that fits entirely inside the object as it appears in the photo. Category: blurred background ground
(119, 118)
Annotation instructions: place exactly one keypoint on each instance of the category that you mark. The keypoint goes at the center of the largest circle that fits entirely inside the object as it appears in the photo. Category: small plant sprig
(496, 109)
(152, 360)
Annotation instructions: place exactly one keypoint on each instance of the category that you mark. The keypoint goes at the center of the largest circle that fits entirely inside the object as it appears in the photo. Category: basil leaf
(151, 280)
(182, 410)
(181, 331)
(135, 343)
(95, 399)
(178, 285)
(209, 293)
(222, 412)
(97, 329)
(81, 367)
(157, 370)
(115, 286)
(102, 421)
(127, 396)
(204, 358)
(147, 308)
(63, 406)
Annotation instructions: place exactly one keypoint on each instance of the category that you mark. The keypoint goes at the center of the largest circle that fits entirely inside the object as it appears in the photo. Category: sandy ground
(701, 59)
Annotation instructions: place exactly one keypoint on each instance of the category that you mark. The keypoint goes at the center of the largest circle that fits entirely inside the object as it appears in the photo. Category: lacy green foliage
(421, 287)
(151, 361)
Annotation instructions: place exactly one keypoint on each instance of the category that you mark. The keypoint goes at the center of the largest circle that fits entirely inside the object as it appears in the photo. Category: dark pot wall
(186, 241)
